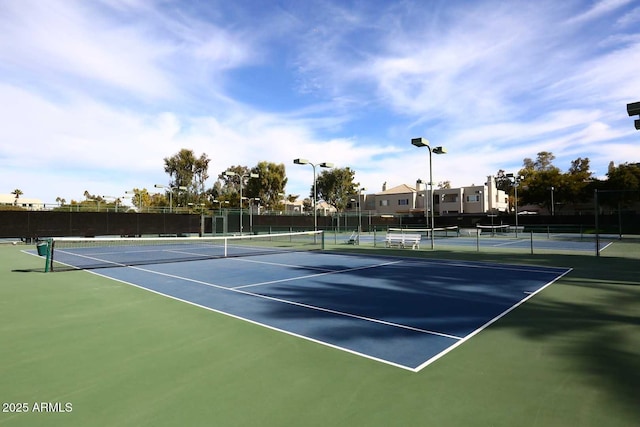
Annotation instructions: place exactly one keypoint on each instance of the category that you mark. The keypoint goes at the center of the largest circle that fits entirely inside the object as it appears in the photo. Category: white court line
(254, 322)
(317, 274)
(490, 322)
(279, 264)
(459, 340)
(298, 304)
(513, 242)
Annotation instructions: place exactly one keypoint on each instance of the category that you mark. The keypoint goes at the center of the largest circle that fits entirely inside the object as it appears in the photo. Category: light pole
(242, 177)
(423, 142)
(322, 165)
(181, 187)
(552, 204)
(360, 212)
(516, 183)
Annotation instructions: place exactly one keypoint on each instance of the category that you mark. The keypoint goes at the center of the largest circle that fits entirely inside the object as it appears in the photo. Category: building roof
(400, 189)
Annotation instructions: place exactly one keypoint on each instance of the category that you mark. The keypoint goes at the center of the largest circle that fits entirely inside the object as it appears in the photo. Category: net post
(49, 258)
(531, 239)
(322, 239)
(596, 207)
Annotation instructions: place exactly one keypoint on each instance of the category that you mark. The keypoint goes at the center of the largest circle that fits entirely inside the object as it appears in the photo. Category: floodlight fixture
(633, 109)
(420, 142)
(439, 150)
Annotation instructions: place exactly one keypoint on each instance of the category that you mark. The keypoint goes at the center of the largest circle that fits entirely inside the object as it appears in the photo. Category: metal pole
(595, 201)
(359, 216)
(516, 203)
(431, 198)
(315, 209)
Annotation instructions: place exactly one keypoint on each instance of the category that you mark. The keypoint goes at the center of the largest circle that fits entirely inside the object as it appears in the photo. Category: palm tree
(17, 193)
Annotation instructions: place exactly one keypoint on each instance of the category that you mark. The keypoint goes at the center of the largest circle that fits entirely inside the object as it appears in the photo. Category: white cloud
(598, 9)
(95, 95)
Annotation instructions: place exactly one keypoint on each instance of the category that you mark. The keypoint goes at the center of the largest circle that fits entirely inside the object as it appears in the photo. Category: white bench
(402, 240)
(470, 231)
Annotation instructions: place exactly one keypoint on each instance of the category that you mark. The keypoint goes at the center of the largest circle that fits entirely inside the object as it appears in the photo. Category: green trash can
(43, 248)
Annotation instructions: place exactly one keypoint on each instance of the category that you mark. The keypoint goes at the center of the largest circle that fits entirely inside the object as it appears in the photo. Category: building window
(403, 202)
(384, 203)
(473, 198)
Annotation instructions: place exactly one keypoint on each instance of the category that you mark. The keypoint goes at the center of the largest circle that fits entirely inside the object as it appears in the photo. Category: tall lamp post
(360, 212)
(242, 177)
(423, 142)
(516, 182)
(322, 165)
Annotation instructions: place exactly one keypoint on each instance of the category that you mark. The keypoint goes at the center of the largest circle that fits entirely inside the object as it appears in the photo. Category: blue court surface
(400, 311)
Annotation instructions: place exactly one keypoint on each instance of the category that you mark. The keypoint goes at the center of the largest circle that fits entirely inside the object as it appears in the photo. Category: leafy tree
(540, 179)
(229, 189)
(623, 184)
(576, 182)
(269, 186)
(336, 187)
(140, 198)
(187, 170)
(503, 182)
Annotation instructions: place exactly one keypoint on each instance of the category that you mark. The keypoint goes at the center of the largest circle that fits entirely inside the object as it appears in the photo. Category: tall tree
(269, 186)
(17, 192)
(336, 187)
(623, 184)
(576, 182)
(541, 180)
(229, 190)
(187, 170)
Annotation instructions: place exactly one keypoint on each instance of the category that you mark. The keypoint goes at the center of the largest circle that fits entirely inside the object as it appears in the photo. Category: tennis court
(122, 355)
(501, 237)
(405, 312)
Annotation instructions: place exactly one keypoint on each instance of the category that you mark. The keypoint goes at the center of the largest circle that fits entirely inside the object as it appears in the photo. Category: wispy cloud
(108, 89)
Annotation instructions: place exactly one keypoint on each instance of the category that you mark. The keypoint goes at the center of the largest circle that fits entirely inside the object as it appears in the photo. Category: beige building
(404, 199)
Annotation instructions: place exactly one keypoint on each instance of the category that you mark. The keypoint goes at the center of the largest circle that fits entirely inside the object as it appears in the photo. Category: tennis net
(492, 230)
(91, 253)
(451, 231)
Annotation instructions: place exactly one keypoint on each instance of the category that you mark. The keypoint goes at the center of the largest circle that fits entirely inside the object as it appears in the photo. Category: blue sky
(96, 93)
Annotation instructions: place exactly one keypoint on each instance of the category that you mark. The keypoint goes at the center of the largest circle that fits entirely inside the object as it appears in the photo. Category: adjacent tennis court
(501, 237)
(401, 311)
